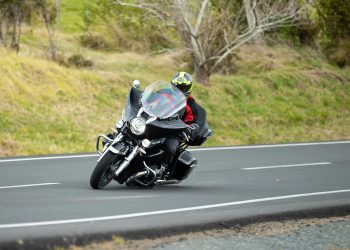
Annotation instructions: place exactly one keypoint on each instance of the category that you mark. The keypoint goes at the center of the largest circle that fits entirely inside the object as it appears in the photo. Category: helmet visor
(183, 87)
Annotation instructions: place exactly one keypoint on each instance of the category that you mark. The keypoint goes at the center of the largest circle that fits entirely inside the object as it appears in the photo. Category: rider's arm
(191, 112)
(190, 118)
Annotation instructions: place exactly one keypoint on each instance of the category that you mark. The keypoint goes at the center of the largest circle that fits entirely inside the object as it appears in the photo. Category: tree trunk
(49, 30)
(1, 38)
(15, 10)
(251, 19)
(58, 13)
(19, 23)
(5, 26)
(202, 75)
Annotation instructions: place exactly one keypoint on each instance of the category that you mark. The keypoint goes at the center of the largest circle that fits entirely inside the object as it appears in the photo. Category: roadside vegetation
(273, 91)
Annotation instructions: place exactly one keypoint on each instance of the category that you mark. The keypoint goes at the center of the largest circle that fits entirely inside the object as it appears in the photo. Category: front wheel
(103, 172)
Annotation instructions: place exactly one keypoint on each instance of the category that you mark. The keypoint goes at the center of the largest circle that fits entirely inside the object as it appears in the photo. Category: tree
(12, 13)
(334, 18)
(334, 21)
(213, 30)
(58, 13)
(47, 20)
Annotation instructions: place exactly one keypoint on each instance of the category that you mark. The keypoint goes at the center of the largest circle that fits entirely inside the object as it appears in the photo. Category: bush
(94, 42)
(79, 61)
(340, 55)
(60, 59)
(334, 19)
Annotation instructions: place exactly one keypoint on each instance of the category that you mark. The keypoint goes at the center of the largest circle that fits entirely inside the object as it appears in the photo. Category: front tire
(103, 173)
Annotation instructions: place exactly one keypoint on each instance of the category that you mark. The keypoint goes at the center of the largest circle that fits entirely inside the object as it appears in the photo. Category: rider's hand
(192, 130)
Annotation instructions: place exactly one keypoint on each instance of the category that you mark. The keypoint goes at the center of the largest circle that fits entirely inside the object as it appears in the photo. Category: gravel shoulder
(315, 233)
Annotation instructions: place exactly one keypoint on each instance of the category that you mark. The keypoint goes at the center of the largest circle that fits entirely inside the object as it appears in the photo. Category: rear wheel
(103, 172)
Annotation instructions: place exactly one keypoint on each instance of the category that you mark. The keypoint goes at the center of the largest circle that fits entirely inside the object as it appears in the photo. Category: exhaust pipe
(135, 177)
(166, 182)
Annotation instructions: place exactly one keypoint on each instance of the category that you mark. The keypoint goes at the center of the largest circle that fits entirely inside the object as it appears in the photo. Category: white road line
(113, 198)
(29, 185)
(289, 166)
(271, 146)
(193, 149)
(50, 158)
(178, 210)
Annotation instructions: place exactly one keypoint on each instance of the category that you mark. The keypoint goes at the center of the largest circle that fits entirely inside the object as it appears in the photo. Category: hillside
(279, 94)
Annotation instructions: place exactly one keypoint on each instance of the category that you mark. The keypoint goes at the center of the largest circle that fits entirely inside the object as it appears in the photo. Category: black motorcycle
(133, 154)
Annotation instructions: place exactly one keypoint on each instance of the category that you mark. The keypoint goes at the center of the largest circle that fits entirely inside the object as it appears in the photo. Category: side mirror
(136, 84)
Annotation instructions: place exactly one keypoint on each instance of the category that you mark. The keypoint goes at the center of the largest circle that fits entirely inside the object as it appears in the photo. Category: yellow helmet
(183, 81)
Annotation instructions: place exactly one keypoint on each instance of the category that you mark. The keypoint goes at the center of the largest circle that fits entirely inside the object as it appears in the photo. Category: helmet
(183, 81)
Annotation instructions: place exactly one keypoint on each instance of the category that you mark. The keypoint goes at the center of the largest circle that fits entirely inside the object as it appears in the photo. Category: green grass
(279, 106)
(278, 95)
(48, 108)
(72, 15)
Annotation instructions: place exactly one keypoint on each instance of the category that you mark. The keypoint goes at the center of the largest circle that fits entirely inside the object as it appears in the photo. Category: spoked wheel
(104, 170)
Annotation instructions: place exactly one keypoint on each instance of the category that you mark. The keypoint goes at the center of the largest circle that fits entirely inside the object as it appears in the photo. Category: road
(44, 197)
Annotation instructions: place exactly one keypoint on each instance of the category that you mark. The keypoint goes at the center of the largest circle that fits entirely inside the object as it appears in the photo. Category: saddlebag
(184, 166)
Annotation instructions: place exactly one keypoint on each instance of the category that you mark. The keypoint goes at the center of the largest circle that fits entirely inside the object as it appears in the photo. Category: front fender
(116, 147)
(119, 148)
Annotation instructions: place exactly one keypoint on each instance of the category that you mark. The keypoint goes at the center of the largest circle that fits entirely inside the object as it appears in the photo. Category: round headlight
(138, 126)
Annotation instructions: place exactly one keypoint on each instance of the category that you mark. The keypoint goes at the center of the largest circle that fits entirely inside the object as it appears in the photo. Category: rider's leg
(170, 147)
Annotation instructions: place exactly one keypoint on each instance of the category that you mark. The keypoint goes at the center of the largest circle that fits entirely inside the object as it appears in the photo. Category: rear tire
(103, 174)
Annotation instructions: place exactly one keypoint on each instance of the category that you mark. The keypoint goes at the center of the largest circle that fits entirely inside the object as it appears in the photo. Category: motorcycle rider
(182, 81)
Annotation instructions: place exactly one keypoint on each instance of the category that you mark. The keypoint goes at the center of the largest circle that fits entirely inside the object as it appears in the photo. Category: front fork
(127, 160)
(111, 148)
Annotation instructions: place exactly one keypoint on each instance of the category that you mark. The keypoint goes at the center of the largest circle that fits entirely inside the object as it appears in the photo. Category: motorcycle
(133, 154)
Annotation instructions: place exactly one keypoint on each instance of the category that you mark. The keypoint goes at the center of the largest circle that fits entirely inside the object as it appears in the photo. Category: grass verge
(278, 95)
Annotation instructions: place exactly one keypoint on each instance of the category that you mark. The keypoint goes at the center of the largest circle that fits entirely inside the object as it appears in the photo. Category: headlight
(138, 126)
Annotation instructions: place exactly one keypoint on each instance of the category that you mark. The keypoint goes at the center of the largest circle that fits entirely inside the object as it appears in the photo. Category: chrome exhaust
(147, 172)
(166, 182)
(135, 177)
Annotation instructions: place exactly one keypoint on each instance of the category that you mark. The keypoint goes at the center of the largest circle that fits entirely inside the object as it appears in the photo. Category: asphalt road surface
(50, 196)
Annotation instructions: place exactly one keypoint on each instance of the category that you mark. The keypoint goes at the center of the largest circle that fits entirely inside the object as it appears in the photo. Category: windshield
(162, 99)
